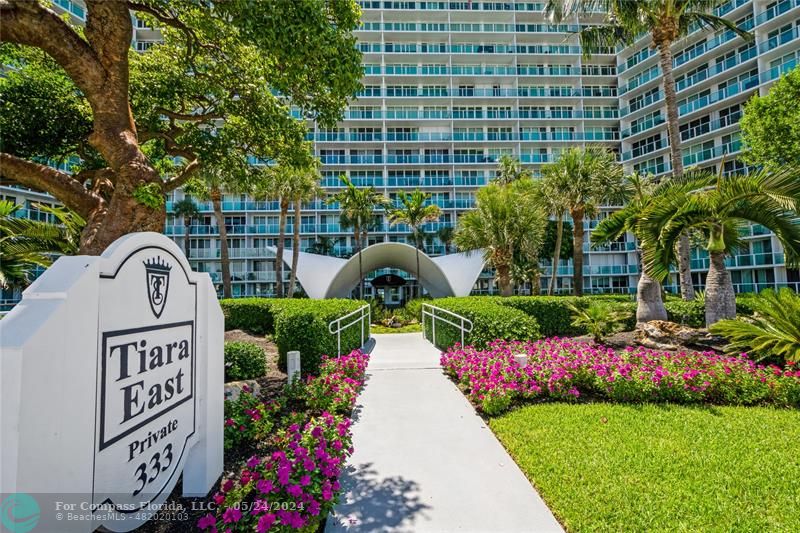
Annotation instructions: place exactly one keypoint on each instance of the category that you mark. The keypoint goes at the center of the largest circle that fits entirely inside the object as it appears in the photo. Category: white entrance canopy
(331, 277)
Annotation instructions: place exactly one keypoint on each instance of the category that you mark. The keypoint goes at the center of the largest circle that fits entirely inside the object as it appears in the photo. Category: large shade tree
(719, 207)
(666, 21)
(220, 87)
(414, 210)
(507, 223)
(581, 180)
(771, 124)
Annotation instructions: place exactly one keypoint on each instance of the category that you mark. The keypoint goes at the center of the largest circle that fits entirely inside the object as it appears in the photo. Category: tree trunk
(357, 244)
(419, 282)
(676, 158)
(224, 258)
(556, 254)
(96, 59)
(284, 203)
(685, 267)
(577, 249)
(536, 287)
(649, 305)
(295, 245)
(720, 298)
(504, 280)
(186, 231)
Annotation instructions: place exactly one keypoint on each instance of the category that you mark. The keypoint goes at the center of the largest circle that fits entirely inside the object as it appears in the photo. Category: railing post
(433, 325)
(362, 327)
(462, 331)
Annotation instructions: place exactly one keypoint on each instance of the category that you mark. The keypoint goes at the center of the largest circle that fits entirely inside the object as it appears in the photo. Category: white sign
(112, 386)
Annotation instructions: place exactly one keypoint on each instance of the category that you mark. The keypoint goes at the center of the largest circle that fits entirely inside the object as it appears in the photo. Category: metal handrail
(363, 312)
(464, 325)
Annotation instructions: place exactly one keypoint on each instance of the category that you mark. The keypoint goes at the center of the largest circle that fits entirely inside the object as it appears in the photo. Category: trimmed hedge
(296, 324)
(693, 314)
(254, 315)
(244, 360)
(554, 315)
(490, 321)
(303, 325)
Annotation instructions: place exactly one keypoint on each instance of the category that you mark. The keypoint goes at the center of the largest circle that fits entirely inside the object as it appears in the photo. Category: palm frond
(773, 332)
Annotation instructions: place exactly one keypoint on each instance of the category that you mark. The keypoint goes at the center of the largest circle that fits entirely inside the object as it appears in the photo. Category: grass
(610, 467)
(408, 328)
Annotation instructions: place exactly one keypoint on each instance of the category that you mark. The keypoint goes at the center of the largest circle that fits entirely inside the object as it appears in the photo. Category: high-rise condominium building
(449, 87)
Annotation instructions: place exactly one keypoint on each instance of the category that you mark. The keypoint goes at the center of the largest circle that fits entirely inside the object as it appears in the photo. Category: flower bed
(567, 370)
(299, 445)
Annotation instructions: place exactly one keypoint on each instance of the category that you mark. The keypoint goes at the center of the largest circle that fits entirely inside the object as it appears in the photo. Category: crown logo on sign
(157, 265)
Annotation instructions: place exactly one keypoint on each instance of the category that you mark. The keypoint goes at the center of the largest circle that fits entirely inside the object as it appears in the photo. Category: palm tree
(306, 188)
(285, 184)
(667, 21)
(186, 209)
(26, 244)
(509, 170)
(324, 245)
(718, 207)
(358, 205)
(555, 203)
(446, 234)
(414, 212)
(507, 222)
(640, 192)
(585, 178)
(208, 185)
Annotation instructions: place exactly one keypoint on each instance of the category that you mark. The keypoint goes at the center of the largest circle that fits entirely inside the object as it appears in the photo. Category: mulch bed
(190, 510)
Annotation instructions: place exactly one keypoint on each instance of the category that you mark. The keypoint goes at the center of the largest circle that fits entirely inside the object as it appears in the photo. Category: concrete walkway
(424, 461)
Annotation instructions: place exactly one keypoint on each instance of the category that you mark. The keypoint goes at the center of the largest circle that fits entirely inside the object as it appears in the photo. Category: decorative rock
(664, 335)
(521, 359)
(234, 389)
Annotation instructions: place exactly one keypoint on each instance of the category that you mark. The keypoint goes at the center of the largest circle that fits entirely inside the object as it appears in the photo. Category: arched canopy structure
(331, 277)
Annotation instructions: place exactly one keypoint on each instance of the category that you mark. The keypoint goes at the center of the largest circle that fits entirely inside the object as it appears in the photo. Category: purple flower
(231, 514)
(265, 486)
(265, 523)
(207, 522)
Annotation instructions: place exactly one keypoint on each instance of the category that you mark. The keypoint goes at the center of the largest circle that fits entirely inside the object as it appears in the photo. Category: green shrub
(691, 314)
(244, 360)
(254, 315)
(552, 313)
(599, 319)
(772, 335)
(302, 325)
(490, 320)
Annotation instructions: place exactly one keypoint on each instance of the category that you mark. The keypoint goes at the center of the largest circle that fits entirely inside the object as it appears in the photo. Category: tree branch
(181, 179)
(64, 187)
(29, 23)
(187, 116)
(109, 31)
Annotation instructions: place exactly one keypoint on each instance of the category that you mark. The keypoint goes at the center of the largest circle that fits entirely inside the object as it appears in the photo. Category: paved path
(424, 461)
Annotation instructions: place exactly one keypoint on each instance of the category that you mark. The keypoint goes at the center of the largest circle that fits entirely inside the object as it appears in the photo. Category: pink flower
(265, 486)
(265, 523)
(231, 514)
(207, 522)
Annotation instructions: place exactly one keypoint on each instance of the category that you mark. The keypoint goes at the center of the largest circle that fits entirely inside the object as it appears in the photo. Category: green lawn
(408, 328)
(608, 467)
